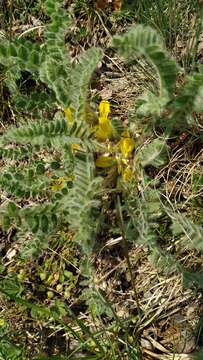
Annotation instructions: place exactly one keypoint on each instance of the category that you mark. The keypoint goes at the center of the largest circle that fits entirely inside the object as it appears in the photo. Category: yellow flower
(123, 165)
(105, 161)
(127, 173)
(69, 115)
(75, 147)
(58, 184)
(124, 168)
(104, 109)
(104, 130)
(126, 145)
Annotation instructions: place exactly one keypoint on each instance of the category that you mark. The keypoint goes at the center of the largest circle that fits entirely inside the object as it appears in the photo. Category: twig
(105, 28)
(30, 30)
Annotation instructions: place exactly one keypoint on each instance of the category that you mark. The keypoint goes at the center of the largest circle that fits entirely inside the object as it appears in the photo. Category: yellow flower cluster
(118, 154)
(126, 144)
(123, 150)
(58, 184)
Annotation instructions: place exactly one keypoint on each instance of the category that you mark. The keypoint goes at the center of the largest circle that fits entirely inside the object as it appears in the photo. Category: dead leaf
(106, 94)
(10, 254)
(117, 5)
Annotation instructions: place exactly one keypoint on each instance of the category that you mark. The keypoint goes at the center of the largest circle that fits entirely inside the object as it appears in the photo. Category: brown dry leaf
(146, 344)
(10, 254)
(117, 5)
(103, 4)
(168, 356)
(106, 93)
(157, 345)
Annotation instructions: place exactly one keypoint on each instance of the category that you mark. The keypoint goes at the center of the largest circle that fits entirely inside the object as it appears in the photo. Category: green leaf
(198, 101)
(188, 100)
(8, 176)
(6, 222)
(9, 351)
(55, 165)
(118, 126)
(30, 174)
(199, 355)
(34, 58)
(193, 279)
(23, 53)
(50, 7)
(11, 286)
(54, 26)
(155, 154)
(3, 50)
(44, 224)
(151, 104)
(192, 234)
(33, 222)
(54, 220)
(80, 77)
(40, 312)
(61, 90)
(12, 208)
(12, 50)
(40, 169)
(18, 221)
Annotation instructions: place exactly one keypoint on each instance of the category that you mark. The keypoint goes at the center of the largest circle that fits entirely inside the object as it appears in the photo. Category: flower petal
(127, 173)
(126, 145)
(104, 130)
(76, 147)
(104, 108)
(58, 184)
(69, 115)
(105, 161)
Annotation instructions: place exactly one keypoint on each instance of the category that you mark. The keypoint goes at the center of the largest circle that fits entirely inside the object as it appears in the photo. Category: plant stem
(126, 253)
